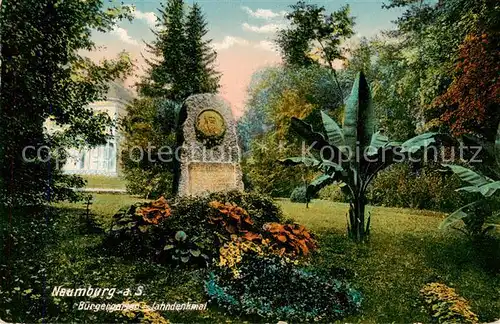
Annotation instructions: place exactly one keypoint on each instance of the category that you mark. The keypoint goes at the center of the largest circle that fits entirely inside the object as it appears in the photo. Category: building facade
(103, 159)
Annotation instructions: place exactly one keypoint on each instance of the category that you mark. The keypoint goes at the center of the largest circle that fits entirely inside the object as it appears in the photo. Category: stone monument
(209, 156)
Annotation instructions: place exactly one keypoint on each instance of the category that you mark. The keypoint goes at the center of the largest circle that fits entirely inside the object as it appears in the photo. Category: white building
(104, 159)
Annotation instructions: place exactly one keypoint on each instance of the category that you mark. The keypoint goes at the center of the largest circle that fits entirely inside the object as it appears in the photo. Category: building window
(82, 160)
(111, 157)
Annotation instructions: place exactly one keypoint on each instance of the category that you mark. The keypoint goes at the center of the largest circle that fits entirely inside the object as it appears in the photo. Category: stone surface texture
(208, 169)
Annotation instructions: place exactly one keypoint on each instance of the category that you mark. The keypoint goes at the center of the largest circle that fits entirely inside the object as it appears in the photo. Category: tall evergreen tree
(183, 62)
(166, 76)
(201, 57)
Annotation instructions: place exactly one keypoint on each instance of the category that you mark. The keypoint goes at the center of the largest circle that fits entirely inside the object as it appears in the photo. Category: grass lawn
(95, 181)
(405, 251)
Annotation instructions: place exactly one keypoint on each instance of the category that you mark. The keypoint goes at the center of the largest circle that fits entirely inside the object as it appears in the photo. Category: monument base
(206, 177)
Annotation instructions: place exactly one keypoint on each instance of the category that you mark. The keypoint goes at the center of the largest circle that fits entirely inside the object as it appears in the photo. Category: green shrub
(480, 219)
(181, 249)
(136, 229)
(445, 305)
(193, 216)
(333, 193)
(400, 186)
(299, 195)
(270, 288)
(150, 184)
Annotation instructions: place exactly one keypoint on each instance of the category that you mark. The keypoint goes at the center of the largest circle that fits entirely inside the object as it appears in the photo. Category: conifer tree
(201, 57)
(166, 75)
(183, 61)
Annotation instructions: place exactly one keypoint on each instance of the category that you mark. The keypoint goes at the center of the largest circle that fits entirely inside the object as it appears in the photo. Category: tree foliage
(315, 37)
(182, 62)
(149, 146)
(45, 77)
(277, 94)
(273, 89)
(471, 104)
(429, 35)
(182, 65)
(200, 72)
(311, 29)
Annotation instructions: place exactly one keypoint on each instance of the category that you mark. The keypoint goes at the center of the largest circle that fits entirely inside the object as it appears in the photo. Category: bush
(135, 230)
(400, 186)
(445, 305)
(299, 195)
(481, 219)
(292, 240)
(139, 312)
(206, 224)
(190, 214)
(148, 124)
(271, 288)
(150, 184)
(333, 193)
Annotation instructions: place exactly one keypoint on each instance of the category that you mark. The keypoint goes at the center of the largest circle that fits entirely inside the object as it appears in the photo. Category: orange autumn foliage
(471, 103)
(290, 239)
(155, 211)
(232, 217)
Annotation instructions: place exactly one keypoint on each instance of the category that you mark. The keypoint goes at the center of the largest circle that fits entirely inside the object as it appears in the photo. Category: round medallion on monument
(210, 127)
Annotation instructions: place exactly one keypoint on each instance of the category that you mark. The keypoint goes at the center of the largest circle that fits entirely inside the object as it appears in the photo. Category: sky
(242, 33)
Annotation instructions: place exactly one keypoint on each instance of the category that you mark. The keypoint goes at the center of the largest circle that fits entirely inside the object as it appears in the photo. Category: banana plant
(478, 183)
(354, 154)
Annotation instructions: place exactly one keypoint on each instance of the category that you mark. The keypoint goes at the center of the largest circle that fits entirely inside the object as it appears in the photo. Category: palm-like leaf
(319, 183)
(468, 175)
(486, 190)
(333, 131)
(456, 215)
(359, 121)
(489, 189)
(377, 142)
(418, 142)
(326, 166)
(497, 146)
(316, 140)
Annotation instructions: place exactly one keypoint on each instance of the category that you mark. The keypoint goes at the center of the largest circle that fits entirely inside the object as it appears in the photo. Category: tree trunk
(357, 229)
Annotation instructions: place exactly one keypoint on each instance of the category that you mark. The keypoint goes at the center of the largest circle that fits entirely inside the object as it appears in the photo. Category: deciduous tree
(45, 77)
(471, 104)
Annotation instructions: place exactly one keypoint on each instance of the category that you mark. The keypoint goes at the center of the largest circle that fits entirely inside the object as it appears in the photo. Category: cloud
(264, 13)
(230, 41)
(265, 29)
(123, 35)
(149, 17)
(267, 45)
